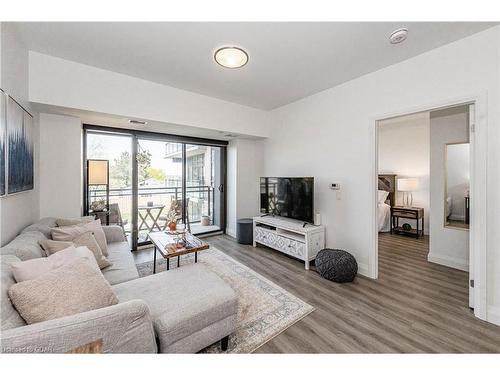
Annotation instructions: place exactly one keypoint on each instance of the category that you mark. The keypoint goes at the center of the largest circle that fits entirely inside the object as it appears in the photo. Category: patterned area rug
(265, 310)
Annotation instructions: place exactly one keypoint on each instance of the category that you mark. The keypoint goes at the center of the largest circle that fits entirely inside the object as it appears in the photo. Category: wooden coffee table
(175, 244)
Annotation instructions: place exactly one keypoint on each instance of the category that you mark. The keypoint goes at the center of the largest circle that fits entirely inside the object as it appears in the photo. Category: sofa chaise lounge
(180, 311)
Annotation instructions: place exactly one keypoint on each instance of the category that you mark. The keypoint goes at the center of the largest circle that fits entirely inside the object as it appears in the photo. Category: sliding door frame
(137, 135)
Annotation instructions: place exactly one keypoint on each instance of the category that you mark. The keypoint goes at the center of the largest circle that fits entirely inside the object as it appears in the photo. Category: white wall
(448, 246)
(330, 136)
(64, 83)
(61, 185)
(403, 149)
(245, 167)
(19, 210)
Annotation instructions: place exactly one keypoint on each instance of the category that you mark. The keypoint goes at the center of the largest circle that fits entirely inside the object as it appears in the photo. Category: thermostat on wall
(335, 186)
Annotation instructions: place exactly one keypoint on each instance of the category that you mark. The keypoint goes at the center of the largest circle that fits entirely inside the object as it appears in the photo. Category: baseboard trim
(494, 315)
(231, 232)
(449, 262)
(363, 269)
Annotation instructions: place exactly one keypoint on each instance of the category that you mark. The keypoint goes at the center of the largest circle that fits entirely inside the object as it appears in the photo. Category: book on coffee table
(172, 244)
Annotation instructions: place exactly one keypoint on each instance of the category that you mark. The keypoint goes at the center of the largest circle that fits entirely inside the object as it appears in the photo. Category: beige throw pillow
(86, 239)
(96, 227)
(68, 290)
(74, 221)
(69, 232)
(33, 268)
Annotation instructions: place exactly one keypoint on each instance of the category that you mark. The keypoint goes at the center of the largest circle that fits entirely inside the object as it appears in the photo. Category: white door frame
(478, 190)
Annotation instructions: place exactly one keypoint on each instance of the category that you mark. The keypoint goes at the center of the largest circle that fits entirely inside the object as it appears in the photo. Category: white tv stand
(289, 236)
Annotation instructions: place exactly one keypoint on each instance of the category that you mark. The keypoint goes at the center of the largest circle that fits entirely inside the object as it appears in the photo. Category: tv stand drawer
(290, 237)
(265, 236)
(278, 242)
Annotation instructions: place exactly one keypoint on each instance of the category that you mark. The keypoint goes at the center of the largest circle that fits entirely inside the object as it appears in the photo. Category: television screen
(290, 197)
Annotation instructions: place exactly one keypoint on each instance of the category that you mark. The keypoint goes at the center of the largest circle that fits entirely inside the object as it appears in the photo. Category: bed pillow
(80, 287)
(382, 196)
(86, 239)
(33, 268)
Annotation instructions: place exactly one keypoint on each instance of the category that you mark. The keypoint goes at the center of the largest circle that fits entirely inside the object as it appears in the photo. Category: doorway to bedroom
(423, 207)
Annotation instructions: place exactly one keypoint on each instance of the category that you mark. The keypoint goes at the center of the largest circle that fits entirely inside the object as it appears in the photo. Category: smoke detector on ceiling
(398, 36)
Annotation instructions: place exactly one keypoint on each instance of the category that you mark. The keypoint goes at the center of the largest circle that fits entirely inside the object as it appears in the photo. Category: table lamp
(407, 186)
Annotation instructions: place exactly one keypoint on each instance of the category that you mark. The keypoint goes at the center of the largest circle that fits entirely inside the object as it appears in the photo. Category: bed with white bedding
(386, 199)
(384, 217)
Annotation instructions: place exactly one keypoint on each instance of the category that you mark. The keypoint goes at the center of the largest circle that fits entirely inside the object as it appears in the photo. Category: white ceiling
(287, 61)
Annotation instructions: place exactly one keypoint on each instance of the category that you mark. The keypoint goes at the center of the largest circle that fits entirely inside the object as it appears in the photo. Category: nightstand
(412, 213)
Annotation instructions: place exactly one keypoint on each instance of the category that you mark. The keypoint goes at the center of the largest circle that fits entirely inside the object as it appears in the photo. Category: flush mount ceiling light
(138, 122)
(231, 57)
(399, 36)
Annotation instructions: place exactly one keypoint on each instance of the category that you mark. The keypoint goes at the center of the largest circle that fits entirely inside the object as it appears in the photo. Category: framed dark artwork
(20, 174)
(3, 136)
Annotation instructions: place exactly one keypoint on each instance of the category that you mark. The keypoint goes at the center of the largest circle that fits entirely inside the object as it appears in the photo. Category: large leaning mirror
(457, 185)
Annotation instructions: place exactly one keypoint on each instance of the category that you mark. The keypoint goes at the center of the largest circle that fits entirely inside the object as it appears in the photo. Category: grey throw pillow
(68, 290)
(69, 232)
(61, 222)
(86, 239)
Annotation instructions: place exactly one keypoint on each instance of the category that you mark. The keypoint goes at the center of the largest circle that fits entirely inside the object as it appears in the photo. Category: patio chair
(114, 216)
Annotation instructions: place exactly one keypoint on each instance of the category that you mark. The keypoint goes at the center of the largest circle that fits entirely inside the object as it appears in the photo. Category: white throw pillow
(34, 268)
(382, 196)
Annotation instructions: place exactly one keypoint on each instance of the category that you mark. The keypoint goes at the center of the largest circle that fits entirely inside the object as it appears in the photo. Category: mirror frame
(445, 224)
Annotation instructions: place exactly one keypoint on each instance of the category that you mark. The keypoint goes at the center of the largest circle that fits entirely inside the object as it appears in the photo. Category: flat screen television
(291, 197)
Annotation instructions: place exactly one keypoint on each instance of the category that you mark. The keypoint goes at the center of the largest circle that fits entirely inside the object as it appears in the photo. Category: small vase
(172, 226)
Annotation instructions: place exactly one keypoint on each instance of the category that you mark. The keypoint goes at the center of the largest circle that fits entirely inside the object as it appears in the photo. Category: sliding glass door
(159, 168)
(150, 175)
(204, 187)
(117, 150)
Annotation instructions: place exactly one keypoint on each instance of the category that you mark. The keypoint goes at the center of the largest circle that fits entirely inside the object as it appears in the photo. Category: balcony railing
(201, 200)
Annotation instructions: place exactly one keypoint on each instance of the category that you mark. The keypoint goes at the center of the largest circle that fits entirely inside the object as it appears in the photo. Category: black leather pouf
(336, 265)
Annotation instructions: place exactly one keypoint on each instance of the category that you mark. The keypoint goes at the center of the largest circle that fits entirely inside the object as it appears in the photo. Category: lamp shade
(407, 184)
(97, 172)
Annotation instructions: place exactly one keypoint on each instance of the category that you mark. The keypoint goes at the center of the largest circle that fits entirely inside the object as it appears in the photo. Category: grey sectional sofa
(180, 311)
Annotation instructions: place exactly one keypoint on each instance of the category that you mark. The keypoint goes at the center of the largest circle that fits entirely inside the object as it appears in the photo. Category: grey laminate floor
(414, 306)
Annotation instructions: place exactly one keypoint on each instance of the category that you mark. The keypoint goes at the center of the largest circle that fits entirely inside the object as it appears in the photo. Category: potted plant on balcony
(173, 215)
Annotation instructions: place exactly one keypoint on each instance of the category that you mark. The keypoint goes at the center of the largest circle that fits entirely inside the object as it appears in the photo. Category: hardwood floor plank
(415, 306)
